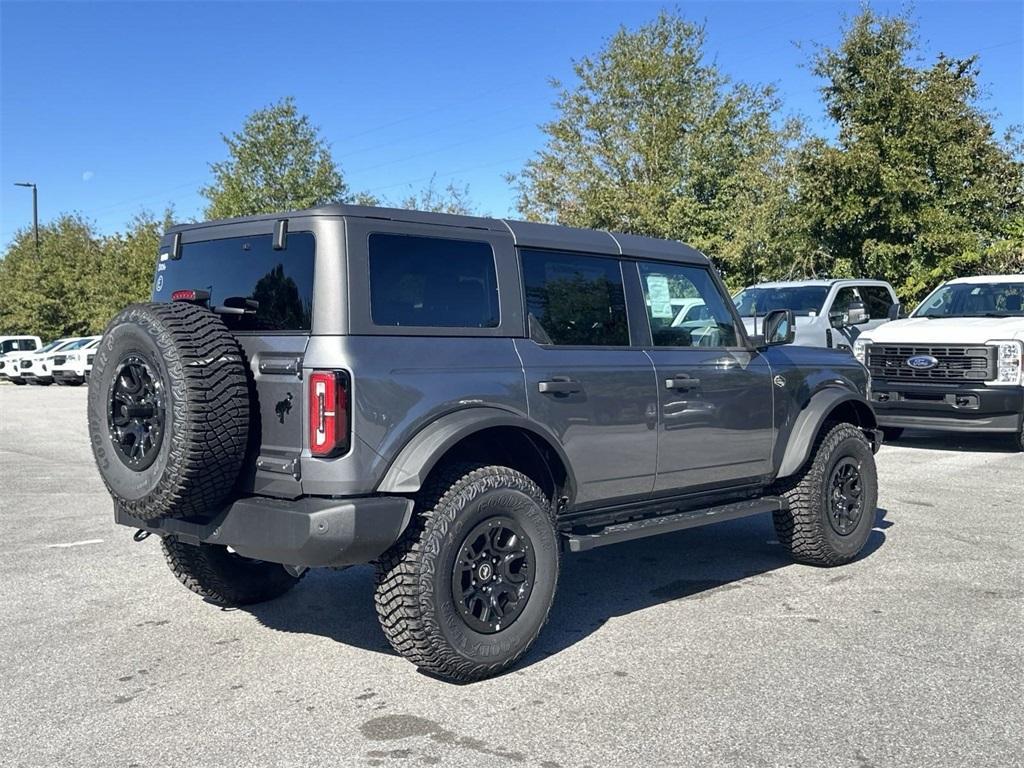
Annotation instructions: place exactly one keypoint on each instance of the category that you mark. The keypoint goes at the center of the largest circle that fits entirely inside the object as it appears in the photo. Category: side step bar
(651, 526)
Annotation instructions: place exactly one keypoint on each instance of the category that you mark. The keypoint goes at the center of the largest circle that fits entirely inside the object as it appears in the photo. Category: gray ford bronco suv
(458, 401)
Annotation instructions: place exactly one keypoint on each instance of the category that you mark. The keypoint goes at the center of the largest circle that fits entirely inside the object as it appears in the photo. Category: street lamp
(35, 209)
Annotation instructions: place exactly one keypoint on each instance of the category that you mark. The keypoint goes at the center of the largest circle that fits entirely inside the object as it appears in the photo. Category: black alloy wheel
(135, 414)
(493, 575)
(846, 498)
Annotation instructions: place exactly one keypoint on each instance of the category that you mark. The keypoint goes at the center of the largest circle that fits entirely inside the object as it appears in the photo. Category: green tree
(654, 140)
(277, 162)
(916, 188)
(127, 261)
(50, 294)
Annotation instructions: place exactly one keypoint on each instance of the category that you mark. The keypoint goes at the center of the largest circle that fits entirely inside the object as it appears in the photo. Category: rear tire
(486, 534)
(225, 578)
(830, 504)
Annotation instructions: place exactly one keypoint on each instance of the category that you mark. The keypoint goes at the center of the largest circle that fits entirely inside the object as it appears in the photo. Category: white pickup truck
(955, 363)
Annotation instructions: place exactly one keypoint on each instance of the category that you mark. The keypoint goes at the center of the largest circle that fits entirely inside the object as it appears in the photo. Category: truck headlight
(1009, 355)
(860, 350)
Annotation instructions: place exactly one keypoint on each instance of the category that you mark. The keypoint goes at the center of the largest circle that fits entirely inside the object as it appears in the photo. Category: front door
(583, 381)
(714, 395)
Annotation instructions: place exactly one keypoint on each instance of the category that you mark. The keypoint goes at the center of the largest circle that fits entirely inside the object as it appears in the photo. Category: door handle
(682, 381)
(559, 387)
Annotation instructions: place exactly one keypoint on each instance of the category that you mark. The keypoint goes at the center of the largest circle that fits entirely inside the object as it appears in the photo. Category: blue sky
(111, 108)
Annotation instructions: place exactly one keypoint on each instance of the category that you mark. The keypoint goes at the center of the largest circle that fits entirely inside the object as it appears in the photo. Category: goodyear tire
(468, 588)
(168, 410)
(830, 504)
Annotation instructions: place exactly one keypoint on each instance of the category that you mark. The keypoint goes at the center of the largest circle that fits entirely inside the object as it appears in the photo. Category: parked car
(829, 313)
(955, 363)
(458, 400)
(13, 361)
(10, 349)
(35, 367)
(72, 364)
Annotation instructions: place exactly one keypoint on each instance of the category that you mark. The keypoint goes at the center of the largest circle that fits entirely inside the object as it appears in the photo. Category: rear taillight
(328, 413)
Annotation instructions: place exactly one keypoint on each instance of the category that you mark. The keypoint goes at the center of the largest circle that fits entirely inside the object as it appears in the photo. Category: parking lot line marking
(74, 544)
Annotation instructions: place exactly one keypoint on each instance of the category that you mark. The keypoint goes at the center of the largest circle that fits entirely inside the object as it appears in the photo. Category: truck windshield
(804, 300)
(974, 300)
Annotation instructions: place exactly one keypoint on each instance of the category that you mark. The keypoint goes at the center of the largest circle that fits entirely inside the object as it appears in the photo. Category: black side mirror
(779, 328)
(896, 311)
(855, 314)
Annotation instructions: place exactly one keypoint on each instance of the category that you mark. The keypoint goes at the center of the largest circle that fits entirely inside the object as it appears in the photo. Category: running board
(651, 526)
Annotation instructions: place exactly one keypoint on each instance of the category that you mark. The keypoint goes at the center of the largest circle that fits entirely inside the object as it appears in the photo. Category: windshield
(804, 300)
(51, 346)
(974, 300)
(77, 344)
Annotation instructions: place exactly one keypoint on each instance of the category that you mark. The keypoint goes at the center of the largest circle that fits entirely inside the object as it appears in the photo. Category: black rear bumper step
(638, 529)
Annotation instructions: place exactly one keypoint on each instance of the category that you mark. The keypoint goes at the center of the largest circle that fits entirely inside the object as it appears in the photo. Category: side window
(878, 301)
(574, 300)
(432, 282)
(685, 307)
(844, 298)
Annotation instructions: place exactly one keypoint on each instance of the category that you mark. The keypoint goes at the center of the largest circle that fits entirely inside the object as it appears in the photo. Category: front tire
(223, 577)
(466, 590)
(830, 503)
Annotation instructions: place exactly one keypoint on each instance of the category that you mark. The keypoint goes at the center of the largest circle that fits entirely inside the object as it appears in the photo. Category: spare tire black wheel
(168, 410)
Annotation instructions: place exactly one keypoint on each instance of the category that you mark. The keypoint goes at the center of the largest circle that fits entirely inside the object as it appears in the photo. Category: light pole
(35, 209)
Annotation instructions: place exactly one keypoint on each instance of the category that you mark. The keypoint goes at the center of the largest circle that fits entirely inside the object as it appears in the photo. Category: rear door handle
(559, 387)
(682, 381)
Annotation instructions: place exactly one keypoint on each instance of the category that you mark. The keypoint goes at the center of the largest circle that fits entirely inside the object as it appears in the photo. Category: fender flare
(410, 468)
(809, 421)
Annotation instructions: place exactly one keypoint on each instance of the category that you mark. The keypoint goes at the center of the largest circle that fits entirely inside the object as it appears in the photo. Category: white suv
(34, 368)
(955, 363)
(72, 364)
(829, 313)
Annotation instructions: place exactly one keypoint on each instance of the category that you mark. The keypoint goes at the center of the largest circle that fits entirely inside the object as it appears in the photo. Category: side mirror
(779, 328)
(895, 311)
(855, 314)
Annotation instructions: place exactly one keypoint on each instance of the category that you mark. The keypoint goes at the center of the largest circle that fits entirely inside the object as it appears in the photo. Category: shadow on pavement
(594, 586)
(976, 442)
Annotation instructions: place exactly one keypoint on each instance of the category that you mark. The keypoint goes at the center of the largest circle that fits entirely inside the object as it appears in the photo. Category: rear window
(432, 282)
(268, 290)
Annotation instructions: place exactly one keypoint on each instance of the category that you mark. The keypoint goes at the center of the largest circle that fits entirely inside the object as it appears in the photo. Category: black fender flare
(410, 468)
(808, 424)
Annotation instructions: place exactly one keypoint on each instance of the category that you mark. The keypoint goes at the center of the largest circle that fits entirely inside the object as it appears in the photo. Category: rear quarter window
(269, 290)
(432, 282)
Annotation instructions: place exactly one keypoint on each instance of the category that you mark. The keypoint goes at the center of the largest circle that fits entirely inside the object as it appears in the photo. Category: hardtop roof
(526, 234)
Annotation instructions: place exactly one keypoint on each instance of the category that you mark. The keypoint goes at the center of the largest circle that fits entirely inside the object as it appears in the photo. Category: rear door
(583, 378)
(264, 295)
(714, 394)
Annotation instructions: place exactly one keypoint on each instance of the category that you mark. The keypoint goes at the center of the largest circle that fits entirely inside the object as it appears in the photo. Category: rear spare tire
(168, 410)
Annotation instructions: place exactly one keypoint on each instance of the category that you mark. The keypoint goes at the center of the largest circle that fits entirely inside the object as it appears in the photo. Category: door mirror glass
(779, 328)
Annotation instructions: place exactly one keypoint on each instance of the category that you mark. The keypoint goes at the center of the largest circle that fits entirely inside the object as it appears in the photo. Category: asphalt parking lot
(704, 648)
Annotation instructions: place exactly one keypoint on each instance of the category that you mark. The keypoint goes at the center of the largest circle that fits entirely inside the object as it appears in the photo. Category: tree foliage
(79, 279)
(916, 189)
(655, 140)
(277, 162)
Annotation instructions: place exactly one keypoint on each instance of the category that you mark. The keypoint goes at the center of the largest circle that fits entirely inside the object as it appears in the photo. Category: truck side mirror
(855, 314)
(779, 328)
(895, 311)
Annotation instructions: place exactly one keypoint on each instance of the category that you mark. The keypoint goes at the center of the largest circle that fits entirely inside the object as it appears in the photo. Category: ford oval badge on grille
(922, 362)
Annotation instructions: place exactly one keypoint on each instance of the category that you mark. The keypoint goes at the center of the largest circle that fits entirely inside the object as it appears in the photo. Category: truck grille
(89, 359)
(59, 360)
(26, 363)
(957, 363)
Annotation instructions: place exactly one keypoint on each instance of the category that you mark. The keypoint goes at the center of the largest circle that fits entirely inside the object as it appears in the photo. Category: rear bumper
(948, 407)
(311, 531)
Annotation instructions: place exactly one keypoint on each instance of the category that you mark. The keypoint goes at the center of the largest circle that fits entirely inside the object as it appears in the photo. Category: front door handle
(682, 381)
(559, 387)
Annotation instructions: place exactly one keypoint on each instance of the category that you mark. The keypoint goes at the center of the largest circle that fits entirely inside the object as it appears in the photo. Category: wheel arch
(826, 408)
(485, 434)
